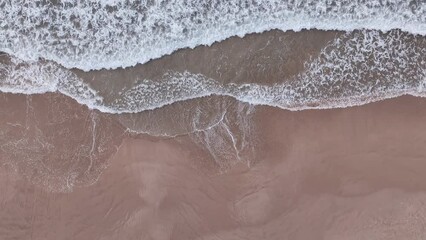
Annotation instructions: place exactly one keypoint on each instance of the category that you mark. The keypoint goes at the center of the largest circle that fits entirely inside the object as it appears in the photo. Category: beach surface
(354, 173)
(212, 120)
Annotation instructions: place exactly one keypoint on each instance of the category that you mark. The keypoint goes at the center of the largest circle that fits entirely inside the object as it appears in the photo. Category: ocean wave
(112, 34)
(354, 69)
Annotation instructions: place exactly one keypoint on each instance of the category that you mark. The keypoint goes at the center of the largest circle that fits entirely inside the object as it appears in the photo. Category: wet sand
(354, 173)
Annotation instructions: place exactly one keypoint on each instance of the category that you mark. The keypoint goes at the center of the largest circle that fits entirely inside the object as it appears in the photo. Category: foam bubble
(354, 69)
(110, 34)
(17, 76)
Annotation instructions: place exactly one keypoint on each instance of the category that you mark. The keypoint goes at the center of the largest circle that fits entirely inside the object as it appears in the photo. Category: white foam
(89, 34)
(355, 69)
(42, 77)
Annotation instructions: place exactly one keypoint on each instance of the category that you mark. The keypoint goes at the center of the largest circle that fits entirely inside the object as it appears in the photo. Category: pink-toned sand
(342, 174)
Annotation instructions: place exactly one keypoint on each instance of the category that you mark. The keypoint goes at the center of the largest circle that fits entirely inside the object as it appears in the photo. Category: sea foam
(111, 34)
(354, 69)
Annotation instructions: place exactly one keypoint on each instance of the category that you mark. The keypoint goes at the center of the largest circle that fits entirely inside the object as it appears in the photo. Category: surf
(353, 69)
(92, 35)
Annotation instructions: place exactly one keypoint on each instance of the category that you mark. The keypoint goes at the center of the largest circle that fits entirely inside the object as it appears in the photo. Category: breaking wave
(111, 34)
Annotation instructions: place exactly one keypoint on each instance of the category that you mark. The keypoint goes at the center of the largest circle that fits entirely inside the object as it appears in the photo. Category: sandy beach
(352, 173)
(212, 120)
